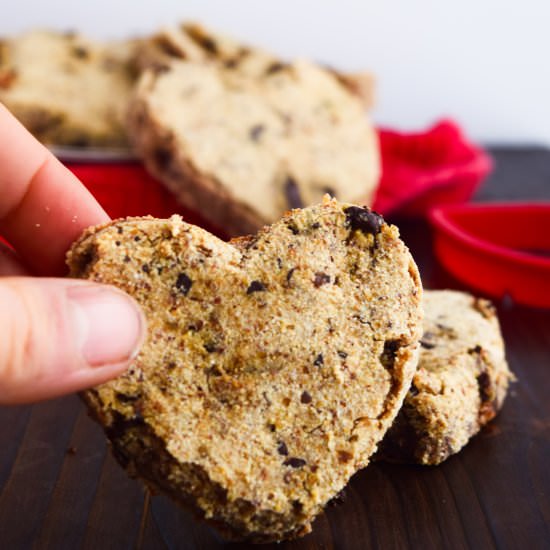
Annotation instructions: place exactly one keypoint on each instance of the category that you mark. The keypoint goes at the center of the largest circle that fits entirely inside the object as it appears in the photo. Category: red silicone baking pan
(126, 189)
(502, 249)
(425, 169)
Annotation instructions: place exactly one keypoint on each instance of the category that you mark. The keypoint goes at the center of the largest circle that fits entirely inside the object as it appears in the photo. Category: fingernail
(109, 325)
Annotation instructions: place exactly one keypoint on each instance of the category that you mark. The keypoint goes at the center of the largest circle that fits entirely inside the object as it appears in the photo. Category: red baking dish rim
(487, 247)
(441, 220)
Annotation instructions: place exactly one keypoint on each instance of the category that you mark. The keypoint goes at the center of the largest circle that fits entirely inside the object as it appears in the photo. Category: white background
(483, 62)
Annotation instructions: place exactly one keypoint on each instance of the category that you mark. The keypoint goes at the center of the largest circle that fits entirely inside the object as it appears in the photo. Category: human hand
(56, 335)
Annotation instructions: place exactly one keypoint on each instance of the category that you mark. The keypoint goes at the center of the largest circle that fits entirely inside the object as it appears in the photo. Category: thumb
(62, 335)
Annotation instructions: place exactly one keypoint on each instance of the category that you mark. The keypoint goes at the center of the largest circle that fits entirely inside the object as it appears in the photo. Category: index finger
(44, 207)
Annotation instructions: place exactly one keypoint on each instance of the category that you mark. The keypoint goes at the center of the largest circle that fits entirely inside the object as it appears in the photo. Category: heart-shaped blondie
(274, 363)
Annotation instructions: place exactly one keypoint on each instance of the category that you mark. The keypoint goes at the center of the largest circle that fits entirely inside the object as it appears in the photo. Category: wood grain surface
(60, 488)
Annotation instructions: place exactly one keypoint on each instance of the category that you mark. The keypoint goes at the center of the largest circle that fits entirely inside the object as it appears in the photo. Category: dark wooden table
(60, 488)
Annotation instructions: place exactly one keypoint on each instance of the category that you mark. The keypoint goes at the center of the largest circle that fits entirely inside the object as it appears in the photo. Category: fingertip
(109, 325)
(44, 206)
(58, 336)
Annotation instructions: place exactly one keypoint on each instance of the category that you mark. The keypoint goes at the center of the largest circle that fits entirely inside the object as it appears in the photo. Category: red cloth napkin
(420, 170)
(426, 169)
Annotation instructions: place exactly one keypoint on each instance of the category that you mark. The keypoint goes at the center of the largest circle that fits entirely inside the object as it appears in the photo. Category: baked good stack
(278, 364)
(234, 132)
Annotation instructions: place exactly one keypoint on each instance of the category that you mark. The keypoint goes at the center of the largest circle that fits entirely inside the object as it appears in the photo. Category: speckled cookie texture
(460, 384)
(274, 363)
(243, 137)
(67, 90)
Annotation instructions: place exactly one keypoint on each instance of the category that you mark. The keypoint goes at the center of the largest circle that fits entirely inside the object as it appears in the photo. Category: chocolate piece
(167, 47)
(232, 63)
(293, 228)
(305, 398)
(205, 42)
(319, 360)
(211, 347)
(183, 283)
(295, 462)
(282, 448)
(321, 279)
(363, 219)
(121, 424)
(297, 506)
(289, 274)
(80, 52)
(387, 358)
(485, 386)
(256, 132)
(162, 157)
(123, 398)
(255, 286)
(275, 68)
(428, 340)
(292, 193)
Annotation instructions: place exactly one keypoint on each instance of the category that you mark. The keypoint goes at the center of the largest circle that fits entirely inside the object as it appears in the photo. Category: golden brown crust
(274, 363)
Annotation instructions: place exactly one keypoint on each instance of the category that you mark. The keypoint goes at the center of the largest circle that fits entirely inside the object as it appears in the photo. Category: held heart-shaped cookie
(274, 363)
